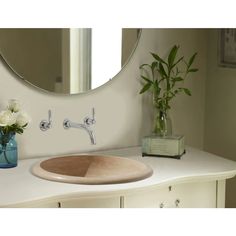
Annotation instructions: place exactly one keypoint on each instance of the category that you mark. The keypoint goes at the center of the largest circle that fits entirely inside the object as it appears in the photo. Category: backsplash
(122, 115)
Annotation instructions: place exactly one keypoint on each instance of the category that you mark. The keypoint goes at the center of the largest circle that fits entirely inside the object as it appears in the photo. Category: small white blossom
(22, 119)
(7, 118)
(14, 105)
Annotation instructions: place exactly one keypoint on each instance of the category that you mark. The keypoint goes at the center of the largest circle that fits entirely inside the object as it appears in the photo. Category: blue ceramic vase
(8, 150)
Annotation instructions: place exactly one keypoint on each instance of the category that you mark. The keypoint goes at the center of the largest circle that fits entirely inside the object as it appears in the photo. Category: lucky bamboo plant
(165, 79)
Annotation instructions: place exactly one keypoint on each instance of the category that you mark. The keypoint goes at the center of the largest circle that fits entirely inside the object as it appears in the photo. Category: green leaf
(193, 70)
(167, 106)
(162, 70)
(156, 88)
(180, 59)
(158, 58)
(187, 91)
(145, 88)
(175, 79)
(19, 130)
(172, 55)
(141, 67)
(154, 64)
(176, 71)
(146, 79)
(24, 125)
(191, 60)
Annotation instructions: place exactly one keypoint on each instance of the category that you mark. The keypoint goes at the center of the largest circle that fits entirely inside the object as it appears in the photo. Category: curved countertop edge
(123, 189)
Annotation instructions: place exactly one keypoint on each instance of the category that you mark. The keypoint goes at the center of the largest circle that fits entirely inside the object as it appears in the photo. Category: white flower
(13, 105)
(7, 118)
(22, 119)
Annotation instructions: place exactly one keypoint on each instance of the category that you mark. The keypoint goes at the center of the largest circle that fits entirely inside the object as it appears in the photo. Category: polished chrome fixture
(46, 124)
(86, 125)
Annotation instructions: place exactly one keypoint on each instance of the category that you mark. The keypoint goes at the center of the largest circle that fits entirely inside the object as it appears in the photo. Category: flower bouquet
(12, 121)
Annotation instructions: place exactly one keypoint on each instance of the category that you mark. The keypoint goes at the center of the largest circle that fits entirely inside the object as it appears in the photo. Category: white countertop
(19, 185)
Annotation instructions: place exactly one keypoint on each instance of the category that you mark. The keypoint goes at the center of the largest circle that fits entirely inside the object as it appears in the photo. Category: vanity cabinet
(91, 202)
(209, 194)
(37, 204)
(190, 195)
(146, 199)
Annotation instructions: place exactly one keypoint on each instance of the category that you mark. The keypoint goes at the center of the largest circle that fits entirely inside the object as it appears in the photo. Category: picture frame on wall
(227, 48)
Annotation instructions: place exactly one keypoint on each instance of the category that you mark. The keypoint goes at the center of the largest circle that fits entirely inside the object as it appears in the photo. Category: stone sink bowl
(92, 169)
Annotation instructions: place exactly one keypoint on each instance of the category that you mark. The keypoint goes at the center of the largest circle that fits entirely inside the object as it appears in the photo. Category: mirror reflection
(67, 61)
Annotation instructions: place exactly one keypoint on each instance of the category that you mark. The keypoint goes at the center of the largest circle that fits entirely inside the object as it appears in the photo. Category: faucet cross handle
(90, 121)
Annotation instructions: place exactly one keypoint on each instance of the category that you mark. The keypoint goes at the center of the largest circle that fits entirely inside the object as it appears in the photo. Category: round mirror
(67, 61)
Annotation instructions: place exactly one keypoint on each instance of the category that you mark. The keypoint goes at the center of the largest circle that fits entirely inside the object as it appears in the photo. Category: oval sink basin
(92, 169)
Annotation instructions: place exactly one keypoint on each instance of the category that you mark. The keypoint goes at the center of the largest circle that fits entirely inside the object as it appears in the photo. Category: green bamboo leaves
(165, 76)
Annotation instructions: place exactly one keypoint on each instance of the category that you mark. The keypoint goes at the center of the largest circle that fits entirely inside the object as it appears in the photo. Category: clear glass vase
(162, 123)
(8, 150)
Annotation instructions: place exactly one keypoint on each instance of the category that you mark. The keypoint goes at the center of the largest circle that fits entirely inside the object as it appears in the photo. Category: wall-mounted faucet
(86, 126)
(46, 124)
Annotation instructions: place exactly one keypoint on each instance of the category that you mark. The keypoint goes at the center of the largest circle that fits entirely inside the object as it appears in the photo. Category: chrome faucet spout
(92, 137)
(69, 124)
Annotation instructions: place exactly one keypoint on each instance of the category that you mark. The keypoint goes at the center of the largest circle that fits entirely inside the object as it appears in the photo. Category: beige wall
(220, 123)
(129, 39)
(123, 116)
(33, 53)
